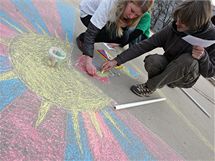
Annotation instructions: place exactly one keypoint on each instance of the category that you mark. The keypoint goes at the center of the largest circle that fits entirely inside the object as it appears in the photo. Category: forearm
(135, 51)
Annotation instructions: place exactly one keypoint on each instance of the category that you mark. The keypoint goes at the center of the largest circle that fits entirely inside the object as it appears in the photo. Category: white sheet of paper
(197, 41)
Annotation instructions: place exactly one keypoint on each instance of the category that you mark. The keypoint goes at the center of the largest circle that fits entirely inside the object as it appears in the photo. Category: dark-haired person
(181, 64)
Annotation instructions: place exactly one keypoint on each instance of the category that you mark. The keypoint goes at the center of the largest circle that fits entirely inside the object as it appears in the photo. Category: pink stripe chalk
(103, 148)
(6, 32)
(3, 50)
(22, 140)
(152, 142)
(10, 8)
(49, 13)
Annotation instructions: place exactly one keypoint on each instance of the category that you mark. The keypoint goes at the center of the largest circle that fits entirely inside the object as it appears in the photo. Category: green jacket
(145, 24)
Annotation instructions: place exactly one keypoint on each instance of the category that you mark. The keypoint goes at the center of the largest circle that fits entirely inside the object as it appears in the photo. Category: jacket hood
(207, 32)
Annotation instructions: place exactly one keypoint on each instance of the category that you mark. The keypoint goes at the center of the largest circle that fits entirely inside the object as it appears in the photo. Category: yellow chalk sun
(62, 86)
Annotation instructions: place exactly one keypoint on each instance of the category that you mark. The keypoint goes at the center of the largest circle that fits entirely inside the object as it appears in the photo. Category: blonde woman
(107, 21)
(182, 63)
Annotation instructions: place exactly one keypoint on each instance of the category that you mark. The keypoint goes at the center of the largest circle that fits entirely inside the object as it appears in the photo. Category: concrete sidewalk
(179, 121)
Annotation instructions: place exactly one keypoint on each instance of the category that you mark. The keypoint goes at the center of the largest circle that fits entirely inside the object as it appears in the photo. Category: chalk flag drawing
(55, 113)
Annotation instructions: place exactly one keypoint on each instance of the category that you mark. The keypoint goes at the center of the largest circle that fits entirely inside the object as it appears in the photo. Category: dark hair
(194, 13)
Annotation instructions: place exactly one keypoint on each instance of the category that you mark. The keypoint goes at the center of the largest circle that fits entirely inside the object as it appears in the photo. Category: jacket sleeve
(157, 40)
(89, 39)
(135, 34)
(207, 63)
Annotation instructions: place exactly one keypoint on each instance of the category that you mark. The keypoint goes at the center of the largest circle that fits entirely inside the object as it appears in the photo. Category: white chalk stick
(107, 46)
(134, 104)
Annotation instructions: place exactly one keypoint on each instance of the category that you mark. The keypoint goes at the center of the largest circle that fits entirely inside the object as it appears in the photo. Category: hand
(90, 68)
(198, 52)
(109, 65)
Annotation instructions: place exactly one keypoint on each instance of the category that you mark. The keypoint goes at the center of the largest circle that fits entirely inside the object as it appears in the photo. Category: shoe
(170, 85)
(79, 42)
(141, 90)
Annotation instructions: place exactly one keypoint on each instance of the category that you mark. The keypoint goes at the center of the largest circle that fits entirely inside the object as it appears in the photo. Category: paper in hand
(197, 41)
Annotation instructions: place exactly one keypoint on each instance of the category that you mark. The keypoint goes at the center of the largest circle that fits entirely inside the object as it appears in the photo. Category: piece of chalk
(119, 67)
(128, 105)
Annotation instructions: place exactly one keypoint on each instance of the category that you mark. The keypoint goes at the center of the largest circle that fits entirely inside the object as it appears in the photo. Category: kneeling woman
(107, 21)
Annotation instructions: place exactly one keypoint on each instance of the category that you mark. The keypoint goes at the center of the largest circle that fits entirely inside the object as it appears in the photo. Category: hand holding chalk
(109, 65)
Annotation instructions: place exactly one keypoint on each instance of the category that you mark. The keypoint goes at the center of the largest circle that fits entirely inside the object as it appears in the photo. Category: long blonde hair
(116, 13)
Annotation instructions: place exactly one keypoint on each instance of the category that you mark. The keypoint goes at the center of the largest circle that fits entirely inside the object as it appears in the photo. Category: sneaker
(170, 85)
(79, 42)
(141, 90)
